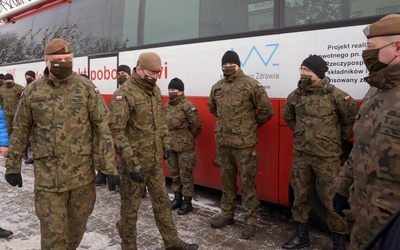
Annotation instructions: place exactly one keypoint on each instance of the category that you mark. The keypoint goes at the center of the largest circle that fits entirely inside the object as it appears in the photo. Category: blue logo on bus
(265, 58)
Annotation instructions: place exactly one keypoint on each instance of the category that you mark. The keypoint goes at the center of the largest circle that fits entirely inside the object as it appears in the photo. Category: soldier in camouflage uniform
(321, 117)
(184, 125)
(1, 80)
(241, 105)
(141, 134)
(62, 111)
(30, 76)
(371, 176)
(10, 93)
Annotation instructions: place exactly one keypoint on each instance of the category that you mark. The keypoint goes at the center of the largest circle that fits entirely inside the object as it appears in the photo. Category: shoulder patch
(347, 98)
(193, 109)
(260, 85)
(96, 90)
(118, 97)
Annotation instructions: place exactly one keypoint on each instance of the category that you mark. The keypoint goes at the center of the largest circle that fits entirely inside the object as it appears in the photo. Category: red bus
(272, 38)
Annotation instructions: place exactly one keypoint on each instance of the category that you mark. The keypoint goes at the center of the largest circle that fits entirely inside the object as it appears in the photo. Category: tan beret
(150, 61)
(57, 46)
(386, 26)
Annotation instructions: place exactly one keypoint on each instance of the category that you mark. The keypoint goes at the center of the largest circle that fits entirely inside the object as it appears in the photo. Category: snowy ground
(18, 215)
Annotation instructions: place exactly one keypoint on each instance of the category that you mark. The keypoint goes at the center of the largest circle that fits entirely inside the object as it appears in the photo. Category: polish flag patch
(96, 90)
(347, 98)
(193, 109)
(118, 98)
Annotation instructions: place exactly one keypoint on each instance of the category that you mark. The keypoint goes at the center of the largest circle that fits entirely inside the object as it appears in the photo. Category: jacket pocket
(386, 195)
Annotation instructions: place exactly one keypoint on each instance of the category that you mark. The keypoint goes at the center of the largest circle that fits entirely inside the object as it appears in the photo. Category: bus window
(174, 20)
(171, 20)
(226, 17)
(308, 12)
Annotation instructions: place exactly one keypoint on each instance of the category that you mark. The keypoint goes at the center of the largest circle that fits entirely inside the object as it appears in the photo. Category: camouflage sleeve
(289, 112)
(22, 126)
(193, 118)
(265, 111)
(166, 141)
(347, 110)
(344, 180)
(99, 118)
(212, 106)
(120, 112)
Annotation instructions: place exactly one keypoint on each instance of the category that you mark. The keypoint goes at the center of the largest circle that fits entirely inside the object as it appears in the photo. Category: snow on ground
(18, 215)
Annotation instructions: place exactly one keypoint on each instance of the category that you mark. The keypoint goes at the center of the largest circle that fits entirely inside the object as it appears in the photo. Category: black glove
(340, 203)
(167, 153)
(113, 181)
(137, 176)
(14, 179)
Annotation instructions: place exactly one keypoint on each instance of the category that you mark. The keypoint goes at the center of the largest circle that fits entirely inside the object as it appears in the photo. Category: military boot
(5, 234)
(144, 194)
(248, 231)
(299, 239)
(100, 179)
(29, 160)
(186, 206)
(218, 221)
(183, 246)
(339, 241)
(177, 201)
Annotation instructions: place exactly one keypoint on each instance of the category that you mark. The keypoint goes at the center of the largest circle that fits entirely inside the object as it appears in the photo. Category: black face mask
(29, 80)
(9, 84)
(121, 79)
(61, 70)
(371, 59)
(149, 79)
(173, 95)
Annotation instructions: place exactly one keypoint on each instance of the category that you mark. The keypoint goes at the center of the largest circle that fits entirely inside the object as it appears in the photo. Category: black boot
(177, 201)
(30, 160)
(144, 194)
(5, 234)
(183, 246)
(186, 206)
(339, 241)
(100, 179)
(299, 239)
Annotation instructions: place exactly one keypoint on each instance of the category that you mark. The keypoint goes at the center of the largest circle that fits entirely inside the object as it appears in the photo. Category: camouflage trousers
(309, 172)
(63, 216)
(243, 161)
(359, 236)
(9, 121)
(131, 193)
(181, 166)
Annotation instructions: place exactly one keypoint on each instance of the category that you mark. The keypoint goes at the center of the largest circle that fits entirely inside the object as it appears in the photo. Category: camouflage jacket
(137, 123)
(371, 176)
(62, 117)
(183, 123)
(321, 117)
(241, 105)
(9, 98)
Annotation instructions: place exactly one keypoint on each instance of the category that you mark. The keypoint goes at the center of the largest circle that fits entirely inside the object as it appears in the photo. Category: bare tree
(6, 5)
